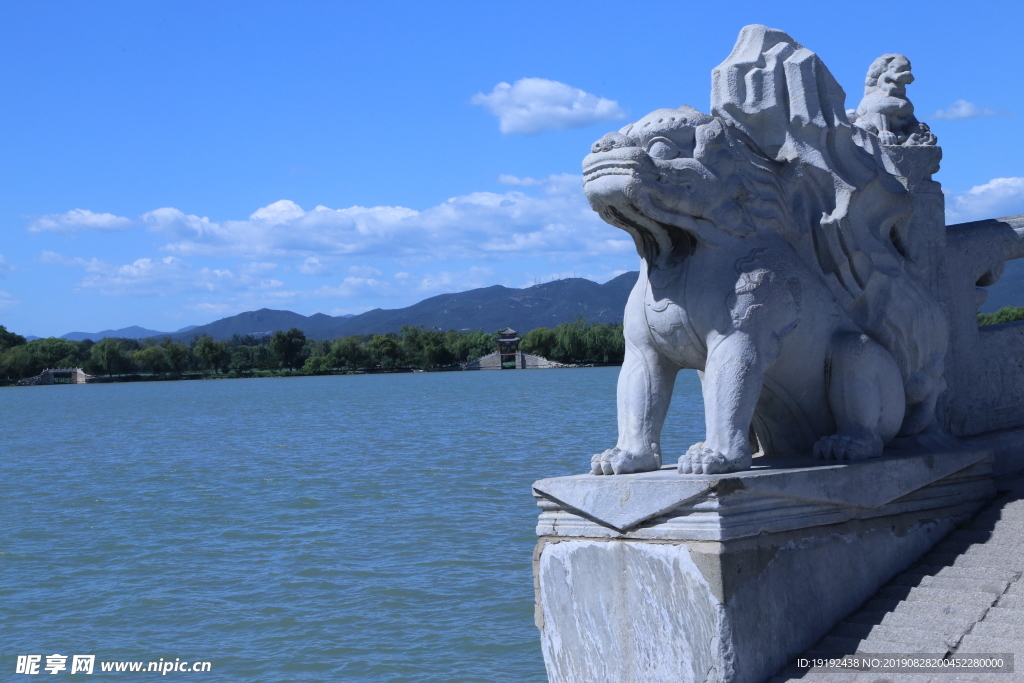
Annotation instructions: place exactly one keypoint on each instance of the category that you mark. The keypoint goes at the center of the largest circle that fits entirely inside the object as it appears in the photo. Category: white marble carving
(885, 109)
(773, 244)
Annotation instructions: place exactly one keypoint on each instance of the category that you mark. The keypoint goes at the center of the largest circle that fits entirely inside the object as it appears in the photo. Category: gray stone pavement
(964, 597)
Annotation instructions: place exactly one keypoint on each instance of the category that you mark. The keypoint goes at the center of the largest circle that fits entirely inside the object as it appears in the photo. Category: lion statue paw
(701, 460)
(616, 461)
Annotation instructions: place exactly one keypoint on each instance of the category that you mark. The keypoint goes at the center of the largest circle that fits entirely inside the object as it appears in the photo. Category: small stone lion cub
(885, 109)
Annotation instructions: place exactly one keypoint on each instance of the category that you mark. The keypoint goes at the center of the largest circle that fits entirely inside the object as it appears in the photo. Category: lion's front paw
(701, 460)
(886, 137)
(616, 461)
(848, 447)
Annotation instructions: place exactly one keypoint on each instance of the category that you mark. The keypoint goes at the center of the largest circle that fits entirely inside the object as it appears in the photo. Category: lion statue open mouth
(777, 259)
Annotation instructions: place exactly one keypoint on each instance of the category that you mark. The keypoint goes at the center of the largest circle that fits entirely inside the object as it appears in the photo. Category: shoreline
(120, 379)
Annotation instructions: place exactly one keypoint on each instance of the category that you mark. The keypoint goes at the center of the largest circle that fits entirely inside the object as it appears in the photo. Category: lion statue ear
(780, 94)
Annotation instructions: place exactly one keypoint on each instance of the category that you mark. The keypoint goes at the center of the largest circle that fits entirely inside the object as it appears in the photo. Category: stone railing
(985, 366)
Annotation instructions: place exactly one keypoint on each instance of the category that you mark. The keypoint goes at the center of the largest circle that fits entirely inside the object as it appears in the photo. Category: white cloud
(7, 301)
(220, 309)
(962, 109)
(997, 198)
(167, 275)
(353, 286)
(534, 105)
(280, 229)
(554, 218)
(159, 276)
(173, 223)
(79, 219)
(278, 212)
(92, 265)
(516, 181)
(367, 257)
(313, 266)
(364, 271)
(446, 281)
(257, 269)
(4, 266)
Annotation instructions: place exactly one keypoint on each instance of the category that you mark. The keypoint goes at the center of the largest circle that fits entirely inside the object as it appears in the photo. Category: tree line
(1006, 314)
(290, 351)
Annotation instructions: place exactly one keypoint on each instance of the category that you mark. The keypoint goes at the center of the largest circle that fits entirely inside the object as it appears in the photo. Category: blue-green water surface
(344, 528)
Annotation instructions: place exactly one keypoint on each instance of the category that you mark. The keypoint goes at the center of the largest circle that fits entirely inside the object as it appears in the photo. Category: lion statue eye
(661, 148)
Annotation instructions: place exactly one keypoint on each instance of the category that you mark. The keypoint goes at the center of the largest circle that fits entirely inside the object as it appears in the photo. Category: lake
(360, 527)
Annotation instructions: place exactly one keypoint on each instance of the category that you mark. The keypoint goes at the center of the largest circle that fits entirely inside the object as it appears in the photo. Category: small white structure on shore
(57, 376)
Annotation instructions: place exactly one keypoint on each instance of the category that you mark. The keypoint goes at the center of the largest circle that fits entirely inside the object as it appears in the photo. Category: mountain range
(133, 332)
(487, 308)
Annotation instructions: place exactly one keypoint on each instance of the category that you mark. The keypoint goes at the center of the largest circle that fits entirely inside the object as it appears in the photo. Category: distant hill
(488, 308)
(133, 332)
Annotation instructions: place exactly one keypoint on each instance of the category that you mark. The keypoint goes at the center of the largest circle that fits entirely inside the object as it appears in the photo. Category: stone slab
(737, 506)
(951, 584)
(1005, 615)
(630, 610)
(625, 501)
(996, 629)
(965, 573)
(622, 502)
(926, 609)
(978, 644)
(945, 624)
(1014, 601)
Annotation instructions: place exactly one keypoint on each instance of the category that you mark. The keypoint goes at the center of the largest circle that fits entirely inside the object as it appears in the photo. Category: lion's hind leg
(866, 396)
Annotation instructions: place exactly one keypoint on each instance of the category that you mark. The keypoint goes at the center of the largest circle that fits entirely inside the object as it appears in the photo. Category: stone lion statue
(773, 260)
(885, 109)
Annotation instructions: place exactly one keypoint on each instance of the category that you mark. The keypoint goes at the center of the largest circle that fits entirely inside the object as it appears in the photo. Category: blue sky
(166, 164)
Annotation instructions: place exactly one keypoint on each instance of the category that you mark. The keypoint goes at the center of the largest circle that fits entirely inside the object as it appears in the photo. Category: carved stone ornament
(885, 109)
(774, 251)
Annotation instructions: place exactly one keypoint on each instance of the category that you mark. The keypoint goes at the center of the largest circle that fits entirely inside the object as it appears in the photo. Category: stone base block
(733, 595)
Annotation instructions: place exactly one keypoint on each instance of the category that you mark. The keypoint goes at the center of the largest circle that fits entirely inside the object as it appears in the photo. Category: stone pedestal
(667, 577)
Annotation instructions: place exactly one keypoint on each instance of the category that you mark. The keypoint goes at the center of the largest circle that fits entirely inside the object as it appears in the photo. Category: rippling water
(364, 527)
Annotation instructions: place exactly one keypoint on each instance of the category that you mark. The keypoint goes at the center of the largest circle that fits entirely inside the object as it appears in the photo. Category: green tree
(605, 343)
(112, 356)
(571, 341)
(425, 348)
(178, 355)
(1007, 314)
(18, 363)
(152, 358)
(384, 351)
(577, 342)
(9, 339)
(248, 358)
(349, 352)
(466, 346)
(214, 355)
(247, 340)
(288, 346)
(540, 342)
(317, 365)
